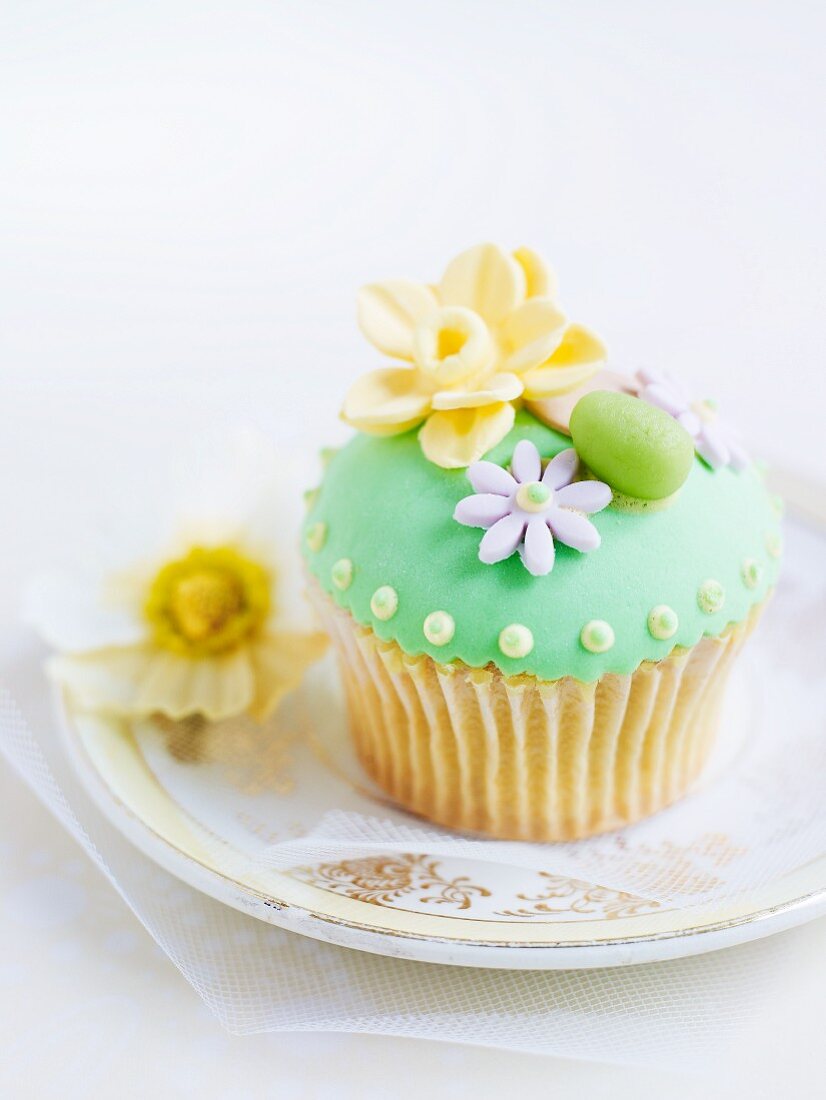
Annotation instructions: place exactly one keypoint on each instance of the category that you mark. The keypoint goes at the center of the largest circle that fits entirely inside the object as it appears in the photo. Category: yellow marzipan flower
(488, 335)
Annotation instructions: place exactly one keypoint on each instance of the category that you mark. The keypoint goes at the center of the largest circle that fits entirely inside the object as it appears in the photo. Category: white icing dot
(385, 602)
(317, 536)
(597, 636)
(751, 571)
(516, 640)
(711, 596)
(662, 622)
(342, 573)
(439, 627)
(774, 544)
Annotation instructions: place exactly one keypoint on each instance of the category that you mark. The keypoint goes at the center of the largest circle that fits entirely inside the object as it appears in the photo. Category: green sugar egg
(635, 447)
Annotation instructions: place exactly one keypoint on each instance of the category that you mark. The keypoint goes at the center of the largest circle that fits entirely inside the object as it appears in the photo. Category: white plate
(208, 819)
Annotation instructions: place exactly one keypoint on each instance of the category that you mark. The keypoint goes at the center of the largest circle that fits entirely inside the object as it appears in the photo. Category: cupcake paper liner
(523, 759)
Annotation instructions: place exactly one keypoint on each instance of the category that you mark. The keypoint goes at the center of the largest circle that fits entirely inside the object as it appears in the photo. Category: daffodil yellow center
(203, 603)
(452, 346)
(450, 341)
(208, 602)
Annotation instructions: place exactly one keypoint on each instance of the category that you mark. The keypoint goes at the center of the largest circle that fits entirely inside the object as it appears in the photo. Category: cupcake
(536, 572)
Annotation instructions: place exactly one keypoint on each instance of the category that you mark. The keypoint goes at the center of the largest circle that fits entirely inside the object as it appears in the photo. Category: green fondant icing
(390, 512)
(633, 446)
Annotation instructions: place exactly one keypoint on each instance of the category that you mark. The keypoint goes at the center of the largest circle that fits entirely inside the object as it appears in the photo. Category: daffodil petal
(579, 356)
(540, 281)
(279, 661)
(498, 387)
(532, 333)
(556, 411)
(72, 612)
(547, 381)
(139, 680)
(387, 401)
(455, 439)
(578, 346)
(485, 279)
(389, 312)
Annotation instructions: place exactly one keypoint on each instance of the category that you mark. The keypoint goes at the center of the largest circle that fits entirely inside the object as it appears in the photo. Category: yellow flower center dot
(706, 410)
(533, 496)
(207, 602)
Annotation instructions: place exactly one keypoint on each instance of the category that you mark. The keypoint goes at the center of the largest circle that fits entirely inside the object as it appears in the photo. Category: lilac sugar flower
(526, 510)
(714, 441)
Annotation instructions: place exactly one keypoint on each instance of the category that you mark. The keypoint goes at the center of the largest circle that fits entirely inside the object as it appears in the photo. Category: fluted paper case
(524, 759)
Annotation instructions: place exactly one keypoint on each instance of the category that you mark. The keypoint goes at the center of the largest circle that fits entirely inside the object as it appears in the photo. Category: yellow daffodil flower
(488, 335)
(213, 624)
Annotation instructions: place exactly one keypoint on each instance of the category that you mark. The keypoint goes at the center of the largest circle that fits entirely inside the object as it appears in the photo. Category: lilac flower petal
(526, 464)
(691, 422)
(501, 540)
(561, 469)
(573, 529)
(665, 397)
(538, 550)
(647, 376)
(481, 510)
(585, 496)
(487, 477)
(711, 446)
(738, 457)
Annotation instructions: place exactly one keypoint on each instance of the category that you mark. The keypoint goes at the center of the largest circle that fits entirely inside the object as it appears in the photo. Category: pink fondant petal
(501, 540)
(561, 469)
(526, 464)
(712, 447)
(487, 477)
(538, 551)
(481, 510)
(573, 529)
(585, 496)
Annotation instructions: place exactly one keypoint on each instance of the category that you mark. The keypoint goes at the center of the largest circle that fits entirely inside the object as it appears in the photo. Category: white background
(191, 194)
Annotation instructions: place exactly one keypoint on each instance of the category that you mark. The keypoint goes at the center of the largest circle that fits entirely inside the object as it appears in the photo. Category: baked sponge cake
(536, 572)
